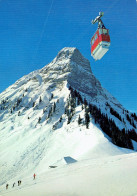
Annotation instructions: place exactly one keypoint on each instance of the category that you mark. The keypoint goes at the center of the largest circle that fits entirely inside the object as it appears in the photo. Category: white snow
(111, 176)
(28, 146)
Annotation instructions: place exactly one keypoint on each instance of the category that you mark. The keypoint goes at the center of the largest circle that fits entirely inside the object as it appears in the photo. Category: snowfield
(68, 159)
(114, 175)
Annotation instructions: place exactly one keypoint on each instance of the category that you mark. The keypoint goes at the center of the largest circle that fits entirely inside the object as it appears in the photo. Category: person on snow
(19, 182)
(7, 186)
(13, 184)
(34, 176)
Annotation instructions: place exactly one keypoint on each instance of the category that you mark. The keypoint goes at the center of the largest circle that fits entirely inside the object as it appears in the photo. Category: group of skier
(19, 182)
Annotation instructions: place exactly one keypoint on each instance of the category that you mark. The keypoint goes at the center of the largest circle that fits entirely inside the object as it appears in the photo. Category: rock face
(70, 65)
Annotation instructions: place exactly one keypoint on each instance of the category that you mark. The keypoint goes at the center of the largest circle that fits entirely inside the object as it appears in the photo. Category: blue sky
(32, 32)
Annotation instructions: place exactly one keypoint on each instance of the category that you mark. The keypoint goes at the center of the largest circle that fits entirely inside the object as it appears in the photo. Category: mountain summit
(60, 111)
(70, 65)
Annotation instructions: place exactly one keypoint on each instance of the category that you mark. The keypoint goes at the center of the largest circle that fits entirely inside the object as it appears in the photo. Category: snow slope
(113, 175)
(31, 140)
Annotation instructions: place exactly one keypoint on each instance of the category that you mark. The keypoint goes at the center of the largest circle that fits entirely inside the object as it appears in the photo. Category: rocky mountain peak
(73, 55)
(70, 52)
(70, 65)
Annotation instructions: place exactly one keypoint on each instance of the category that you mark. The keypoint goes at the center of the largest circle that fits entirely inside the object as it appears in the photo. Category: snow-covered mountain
(60, 111)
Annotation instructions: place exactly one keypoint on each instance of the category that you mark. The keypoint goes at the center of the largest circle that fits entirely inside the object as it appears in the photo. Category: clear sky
(32, 32)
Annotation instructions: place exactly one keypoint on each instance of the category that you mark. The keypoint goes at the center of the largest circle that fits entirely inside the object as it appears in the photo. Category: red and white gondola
(100, 42)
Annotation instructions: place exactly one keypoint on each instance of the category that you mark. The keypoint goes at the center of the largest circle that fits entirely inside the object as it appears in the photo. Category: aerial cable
(111, 6)
(82, 34)
(46, 20)
(43, 30)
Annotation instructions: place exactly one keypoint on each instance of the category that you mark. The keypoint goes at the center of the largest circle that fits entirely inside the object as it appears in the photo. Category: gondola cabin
(100, 43)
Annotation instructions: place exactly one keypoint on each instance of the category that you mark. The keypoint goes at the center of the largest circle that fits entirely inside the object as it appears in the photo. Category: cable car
(100, 42)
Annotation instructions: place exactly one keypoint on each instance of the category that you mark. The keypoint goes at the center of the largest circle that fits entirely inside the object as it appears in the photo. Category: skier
(13, 184)
(7, 186)
(19, 182)
(34, 176)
